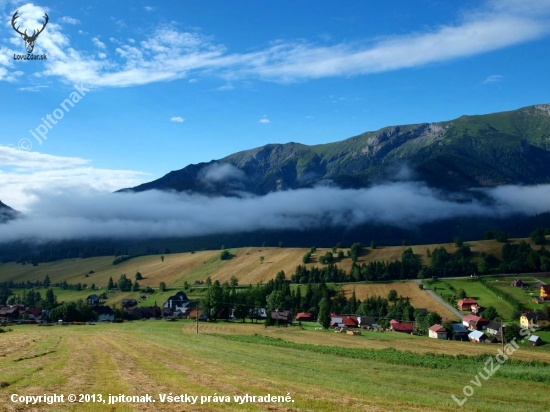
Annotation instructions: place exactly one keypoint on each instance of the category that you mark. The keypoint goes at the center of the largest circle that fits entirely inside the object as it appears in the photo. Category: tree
(233, 282)
(162, 258)
(110, 285)
(138, 276)
(490, 313)
(162, 286)
(428, 253)
(324, 313)
(275, 300)
(135, 287)
(458, 242)
(281, 244)
(461, 294)
(261, 259)
(512, 331)
(46, 282)
(538, 236)
(421, 286)
(392, 295)
(225, 255)
(373, 245)
(51, 301)
(124, 284)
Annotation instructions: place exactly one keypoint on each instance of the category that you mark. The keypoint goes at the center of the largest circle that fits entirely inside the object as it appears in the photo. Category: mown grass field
(152, 357)
(418, 298)
(476, 290)
(180, 267)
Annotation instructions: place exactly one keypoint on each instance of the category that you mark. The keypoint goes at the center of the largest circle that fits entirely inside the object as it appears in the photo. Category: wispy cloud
(177, 119)
(24, 173)
(264, 119)
(494, 78)
(167, 53)
(69, 20)
(149, 8)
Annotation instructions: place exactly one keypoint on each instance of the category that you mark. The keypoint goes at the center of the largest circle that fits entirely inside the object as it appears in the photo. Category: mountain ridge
(509, 147)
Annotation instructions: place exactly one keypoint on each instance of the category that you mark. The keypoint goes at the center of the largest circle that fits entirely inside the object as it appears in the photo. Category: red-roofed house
(346, 321)
(34, 313)
(304, 316)
(437, 332)
(405, 327)
(466, 303)
(473, 322)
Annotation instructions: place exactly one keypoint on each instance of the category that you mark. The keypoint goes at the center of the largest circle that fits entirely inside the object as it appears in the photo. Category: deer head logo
(29, 40)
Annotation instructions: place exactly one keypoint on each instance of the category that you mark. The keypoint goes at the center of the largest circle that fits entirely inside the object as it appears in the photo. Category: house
(104, 313)
(476, 309)
(474, 322)
(493, 339)
(281, 316)
(146, 312)
(128, 304)
(437, 332)
(363, 321)
(466, 303)
(494, 327)
(178, 301)
(459, 332)
(257, 313)
(343, 321)
(404, 327)
(34, 313)
(477, 336)
(304, 317)
(518, 283)
(535, 340)
(9, 313)
(537, 319)
(92, 300)
(545, 292)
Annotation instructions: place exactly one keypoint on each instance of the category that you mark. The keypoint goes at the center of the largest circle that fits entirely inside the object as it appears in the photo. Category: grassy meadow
(245, 265)
(321, 370)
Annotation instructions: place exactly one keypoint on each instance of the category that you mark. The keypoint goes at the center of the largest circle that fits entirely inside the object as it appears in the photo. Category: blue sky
(173, 83)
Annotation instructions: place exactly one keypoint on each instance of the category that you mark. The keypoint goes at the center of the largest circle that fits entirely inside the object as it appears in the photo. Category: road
(455, 310)
(459, 314)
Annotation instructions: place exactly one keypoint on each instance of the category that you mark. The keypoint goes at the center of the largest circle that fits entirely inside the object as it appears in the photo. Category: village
(473, 327)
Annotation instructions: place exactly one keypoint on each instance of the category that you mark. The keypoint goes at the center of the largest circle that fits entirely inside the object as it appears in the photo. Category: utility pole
(197, 316)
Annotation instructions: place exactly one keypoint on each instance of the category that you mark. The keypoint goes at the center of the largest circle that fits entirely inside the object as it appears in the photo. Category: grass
(475, 289)
(522, 295)
(418, 298)
(154, 357)
(180, 267)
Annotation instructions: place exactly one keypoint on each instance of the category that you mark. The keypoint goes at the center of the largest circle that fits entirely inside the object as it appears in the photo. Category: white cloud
(226, 87)
(149, 8)
(168, 53)
(177, 119)
(31, 88)
(494, 78)
(192, 81)
(69, 20)
(98, 43)
(76, 213)
(24, 174)
(264, 121)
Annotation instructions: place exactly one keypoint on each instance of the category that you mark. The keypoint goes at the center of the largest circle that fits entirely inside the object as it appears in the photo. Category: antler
(34, 32)
(15, 16)
(46, 18)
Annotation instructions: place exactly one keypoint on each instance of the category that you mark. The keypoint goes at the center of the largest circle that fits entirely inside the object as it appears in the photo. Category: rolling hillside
(177, 268)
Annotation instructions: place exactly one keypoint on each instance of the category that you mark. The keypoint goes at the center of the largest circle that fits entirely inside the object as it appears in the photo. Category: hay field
(419, 298)
(180, 267)
(158, 357)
